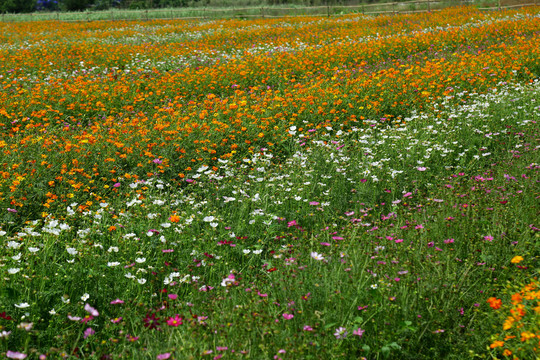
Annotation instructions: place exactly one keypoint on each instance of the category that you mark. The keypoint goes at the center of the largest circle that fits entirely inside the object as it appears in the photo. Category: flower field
(352, 188)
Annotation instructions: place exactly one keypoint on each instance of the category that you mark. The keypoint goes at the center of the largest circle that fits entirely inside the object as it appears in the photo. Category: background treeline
(26, 6)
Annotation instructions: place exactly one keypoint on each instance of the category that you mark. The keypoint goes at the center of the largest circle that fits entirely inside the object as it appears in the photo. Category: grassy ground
(327, 193)
(249, 11)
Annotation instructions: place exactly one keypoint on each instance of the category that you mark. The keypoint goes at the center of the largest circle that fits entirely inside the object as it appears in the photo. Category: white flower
(72, 251)
(13, 245)
(103, 205)
(141, 281)
(129, 276)
(374, 286)
(113, 248)
(208, 219)
(246, 251)
(214, 224)
(2, 233)
(52, 312)
(13, 271)
(33, 249)
(25, 326)
(85, 297)
(22, 305)
(257, 252)
(140, 260)
(317, 256)
(113, 263)
(16, 257)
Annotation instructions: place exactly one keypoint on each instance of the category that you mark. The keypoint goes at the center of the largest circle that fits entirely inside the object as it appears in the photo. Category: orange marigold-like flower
(526, 335)
(516, 259)
(494, 302)
(496, 344)
(174, 218)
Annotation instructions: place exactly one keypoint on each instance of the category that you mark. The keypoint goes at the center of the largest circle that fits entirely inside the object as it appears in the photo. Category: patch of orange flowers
(90, 104)
(520, 338)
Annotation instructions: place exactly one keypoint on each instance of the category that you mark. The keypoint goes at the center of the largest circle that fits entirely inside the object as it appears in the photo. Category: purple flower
(359, 332)
(158, 161)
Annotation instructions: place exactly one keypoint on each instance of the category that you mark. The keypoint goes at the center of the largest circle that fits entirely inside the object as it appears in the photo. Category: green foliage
(17, 6)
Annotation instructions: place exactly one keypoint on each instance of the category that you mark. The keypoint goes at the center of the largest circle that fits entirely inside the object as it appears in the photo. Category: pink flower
(314, 203)
(15, 355)
(221, 348)
(91, 310)
(488, 238)
(73, 318)
(88, 332)
(163, 356)
(407, 194)
(173, 296)
(325, 244)
(421, 168)
(308, 328)
(116, 185)
(337, 238)
(288, 316)
(116, 320)
(175, 321)
(158, 161)
(359, 332)
(117, 301)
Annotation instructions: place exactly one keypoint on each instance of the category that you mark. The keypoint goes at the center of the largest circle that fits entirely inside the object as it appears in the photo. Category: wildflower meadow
(349, 187)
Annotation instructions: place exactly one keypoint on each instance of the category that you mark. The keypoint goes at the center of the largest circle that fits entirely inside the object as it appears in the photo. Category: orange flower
(494, 302)
(174, 218)
(516, 259)
(112, 228)
(496, 344)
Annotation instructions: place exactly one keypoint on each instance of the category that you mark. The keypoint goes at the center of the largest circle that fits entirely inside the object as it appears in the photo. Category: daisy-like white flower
(22, 305)
(317, 256)
(341, 333)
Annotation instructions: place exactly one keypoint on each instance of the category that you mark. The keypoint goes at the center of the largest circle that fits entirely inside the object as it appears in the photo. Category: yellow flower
(516, 259)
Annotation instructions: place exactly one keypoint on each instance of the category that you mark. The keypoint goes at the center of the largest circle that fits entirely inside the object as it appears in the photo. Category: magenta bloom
(89, 332)
(175, 321)
(117, 301)
(173, 296)
(116, 185)
(308, 328)
(163, 356)
(288, 316)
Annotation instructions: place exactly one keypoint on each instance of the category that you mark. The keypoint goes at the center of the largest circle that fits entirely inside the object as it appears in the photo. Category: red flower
(151, 321)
